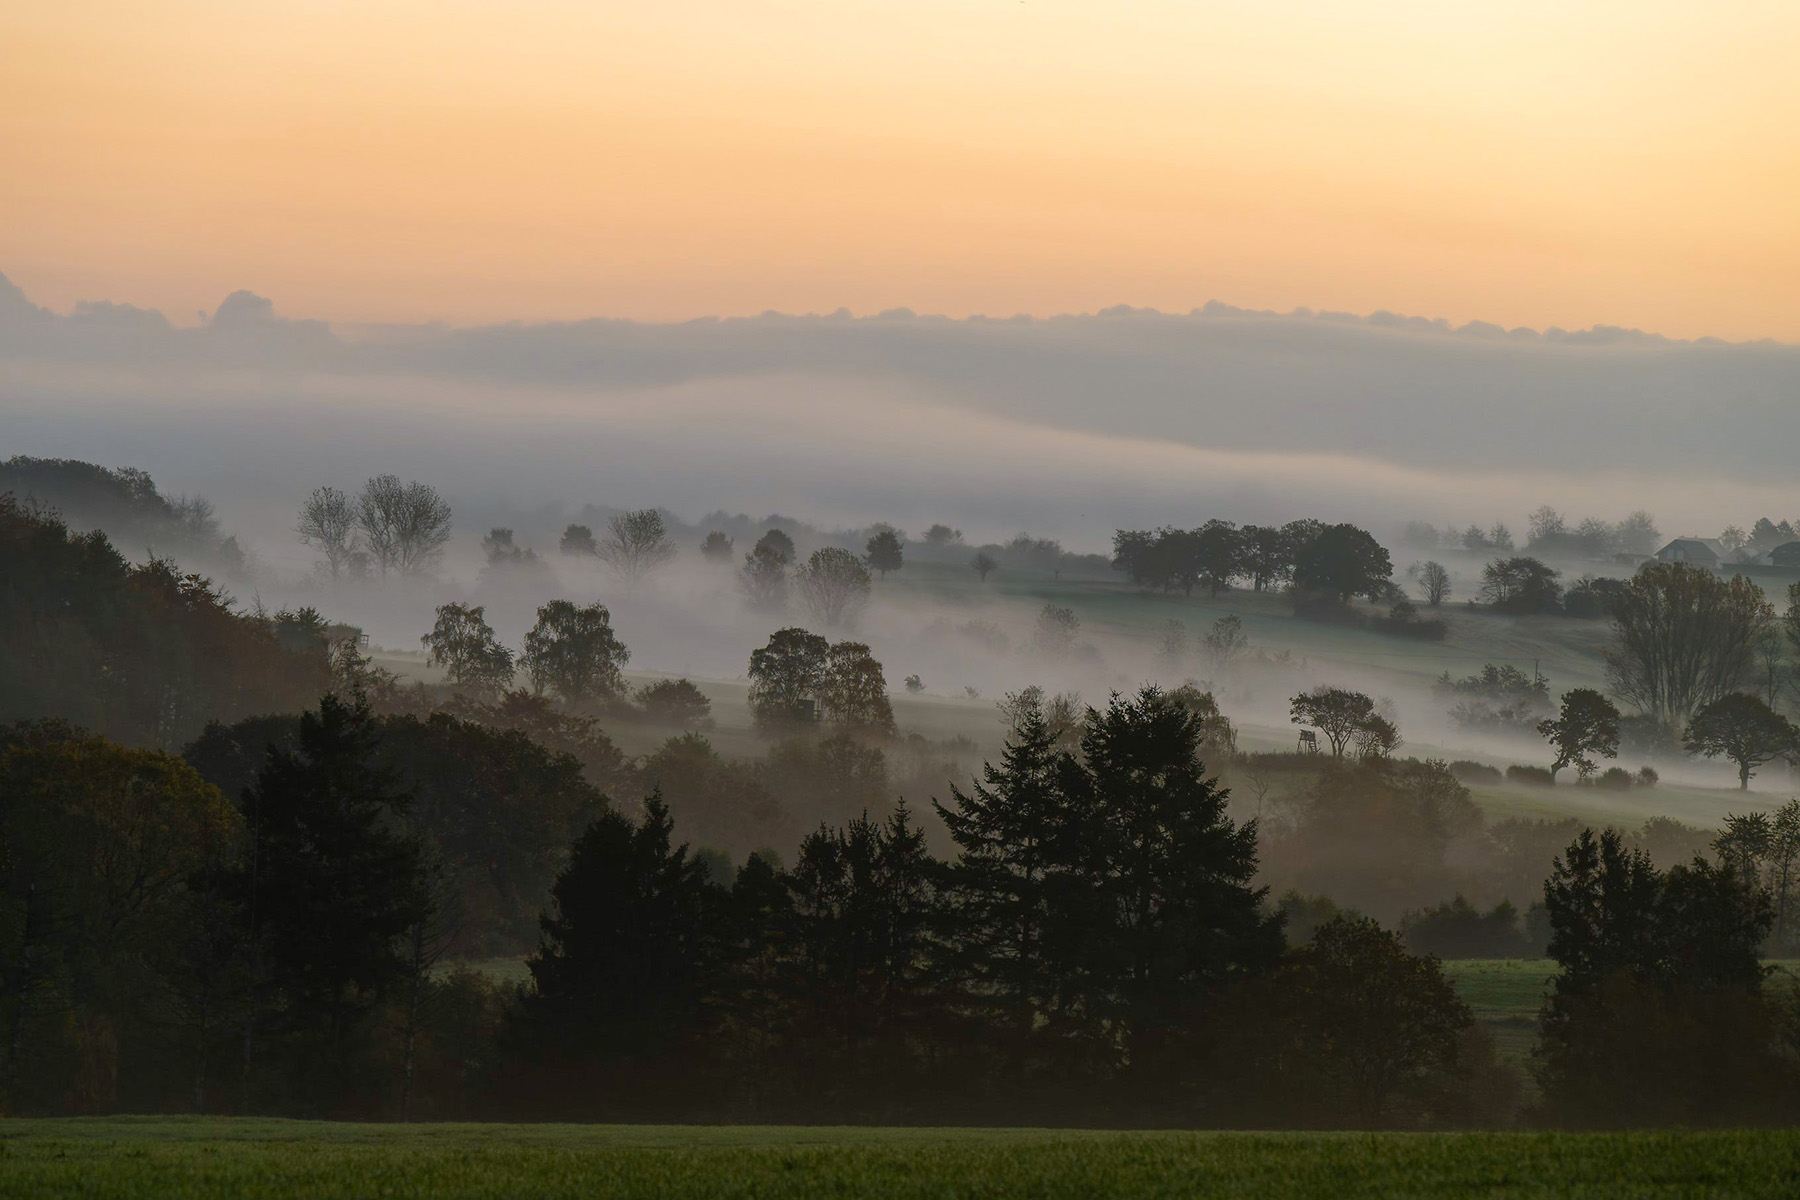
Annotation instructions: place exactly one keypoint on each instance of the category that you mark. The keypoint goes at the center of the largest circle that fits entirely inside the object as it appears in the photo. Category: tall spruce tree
(333, 879)
(1013, 830)
(616, 1026)
(1175, 917)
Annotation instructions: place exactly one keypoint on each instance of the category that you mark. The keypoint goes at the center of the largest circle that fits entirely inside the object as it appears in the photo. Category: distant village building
(1698, 552)
(1785, 555)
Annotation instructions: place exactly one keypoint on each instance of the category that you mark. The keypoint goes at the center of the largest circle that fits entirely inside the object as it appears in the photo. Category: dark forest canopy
(143, 654)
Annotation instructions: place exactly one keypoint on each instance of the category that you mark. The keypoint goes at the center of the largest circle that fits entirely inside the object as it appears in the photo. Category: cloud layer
(1068, 425)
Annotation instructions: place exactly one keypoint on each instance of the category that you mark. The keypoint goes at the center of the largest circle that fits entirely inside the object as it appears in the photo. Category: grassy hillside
(198, 1159)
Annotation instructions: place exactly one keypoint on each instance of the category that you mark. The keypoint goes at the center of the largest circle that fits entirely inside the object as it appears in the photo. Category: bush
(1616, 778)
(1523, 776)
(1468, 771)
(1647, 777)
(676, 702)
(1403, 620)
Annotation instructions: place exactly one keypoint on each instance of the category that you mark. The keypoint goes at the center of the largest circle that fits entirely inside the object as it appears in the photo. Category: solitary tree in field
(1743, 729)
(833, 585)
(1434, 583)
(573, 652)
(328, 524)
(1587, 725)
(463, 643)
(717, 548)
(984, 564)
(885, 552)
(1338, 713)
(636, 543)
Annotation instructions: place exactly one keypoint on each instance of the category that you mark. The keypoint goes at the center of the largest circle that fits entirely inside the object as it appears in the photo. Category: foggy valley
(899, 600)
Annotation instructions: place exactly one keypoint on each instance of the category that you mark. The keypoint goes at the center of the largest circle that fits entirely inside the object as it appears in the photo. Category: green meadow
(200, 1159)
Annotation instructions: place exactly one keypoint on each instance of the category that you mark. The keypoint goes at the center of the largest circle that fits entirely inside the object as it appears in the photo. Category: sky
(1626, 162)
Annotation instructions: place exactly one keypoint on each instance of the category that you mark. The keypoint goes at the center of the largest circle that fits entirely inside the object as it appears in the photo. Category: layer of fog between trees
(686, 615)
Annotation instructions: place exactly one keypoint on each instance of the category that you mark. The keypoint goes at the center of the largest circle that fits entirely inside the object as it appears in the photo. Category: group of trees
(126, 503)
(833, 584)
(388, 527)
(1331, 563)
(1550, 535)
(145, 654)
(1658, 1014)
(256, 927)
(1501, 698)
(1095, 946)
(571, 651)
(1762, 537)
(1349, 720)
(800, 678)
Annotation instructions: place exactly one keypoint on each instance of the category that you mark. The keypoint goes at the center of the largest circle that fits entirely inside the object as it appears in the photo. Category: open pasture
(200, 1159)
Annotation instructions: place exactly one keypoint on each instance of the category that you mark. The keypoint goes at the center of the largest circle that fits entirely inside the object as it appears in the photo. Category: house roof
(1716, 547)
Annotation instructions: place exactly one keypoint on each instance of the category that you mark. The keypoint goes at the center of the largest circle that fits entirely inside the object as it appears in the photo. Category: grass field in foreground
(192, 1159)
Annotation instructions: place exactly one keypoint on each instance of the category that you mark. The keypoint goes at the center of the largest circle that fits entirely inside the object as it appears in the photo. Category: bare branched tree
(636, 543)
(328, 524)
(1683, 637)
(1433, 583)
(405, 525)
(833, 584)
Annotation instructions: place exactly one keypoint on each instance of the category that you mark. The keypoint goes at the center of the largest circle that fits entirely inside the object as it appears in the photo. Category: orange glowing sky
(1634, 162)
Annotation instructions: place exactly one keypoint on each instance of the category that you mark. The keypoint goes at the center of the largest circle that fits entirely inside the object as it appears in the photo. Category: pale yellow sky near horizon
(1528, 163)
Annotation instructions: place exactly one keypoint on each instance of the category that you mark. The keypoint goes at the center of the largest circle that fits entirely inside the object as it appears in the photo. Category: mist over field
(1070, 426)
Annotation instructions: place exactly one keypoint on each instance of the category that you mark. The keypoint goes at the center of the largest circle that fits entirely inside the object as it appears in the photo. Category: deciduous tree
(572, 651)
(1587, 725)
(328, 522)
(1743, 729)
(1682, 637)
(463, 643)
(834, 585)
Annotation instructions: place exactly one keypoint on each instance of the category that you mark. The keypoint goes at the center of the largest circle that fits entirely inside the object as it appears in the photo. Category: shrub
(1403, 620)
(676, 702)
(1468, 771)
(1523, 776)
(1647, 777)
(1616, 778)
